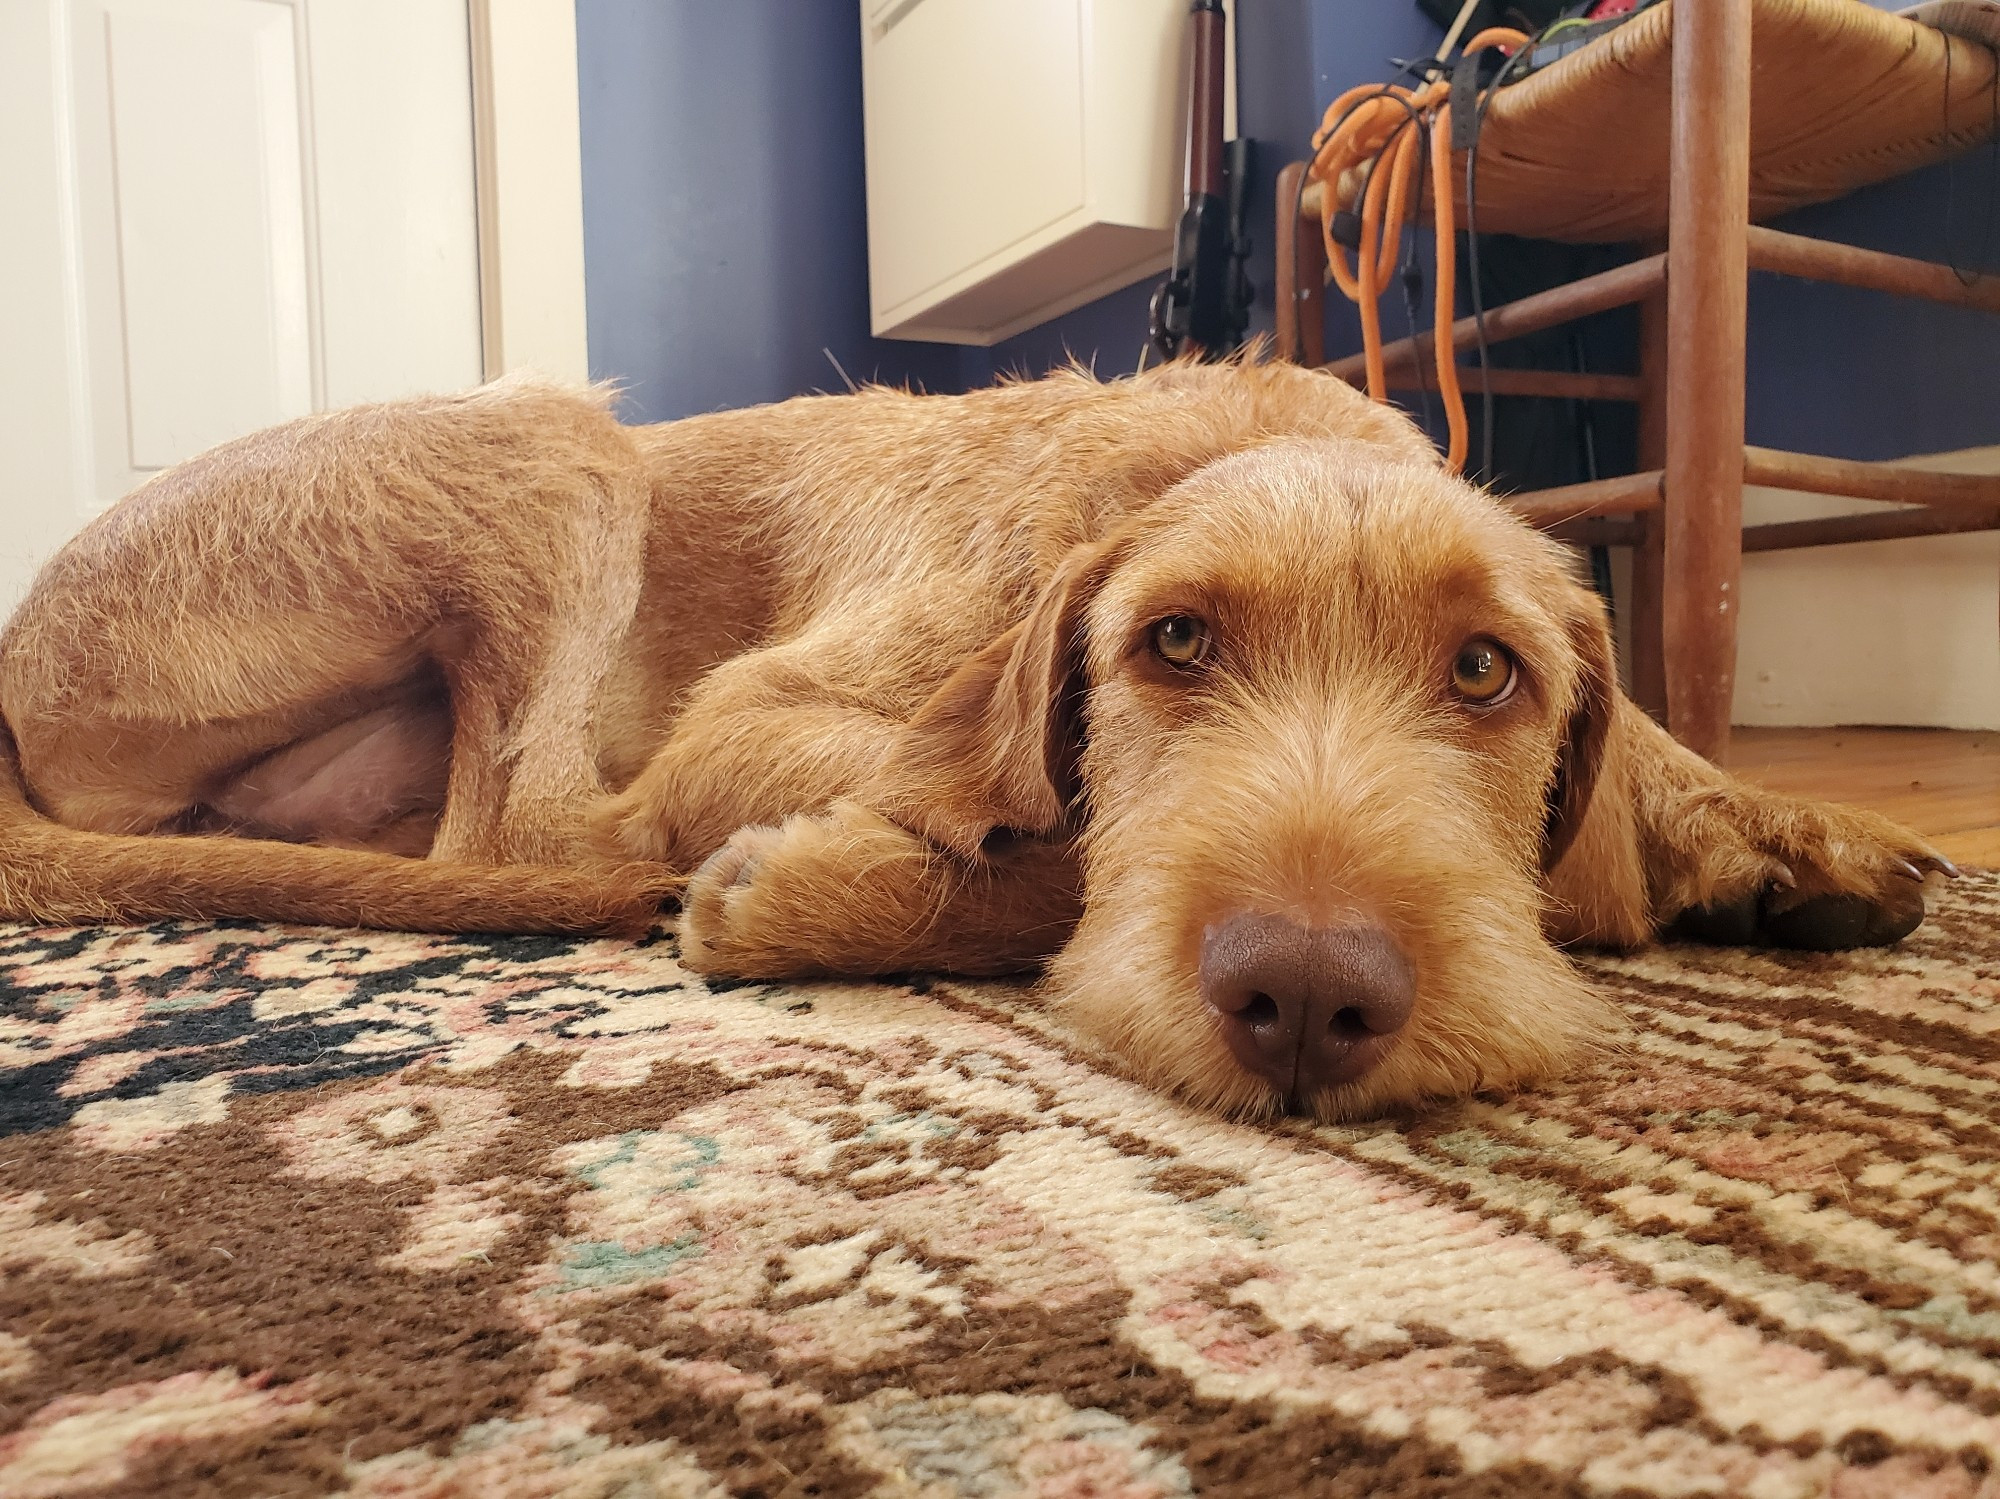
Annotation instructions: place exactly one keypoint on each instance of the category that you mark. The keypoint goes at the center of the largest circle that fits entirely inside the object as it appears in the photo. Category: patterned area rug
(288, 1211)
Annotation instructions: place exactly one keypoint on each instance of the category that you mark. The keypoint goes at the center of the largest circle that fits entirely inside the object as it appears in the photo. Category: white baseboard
(1880, 632)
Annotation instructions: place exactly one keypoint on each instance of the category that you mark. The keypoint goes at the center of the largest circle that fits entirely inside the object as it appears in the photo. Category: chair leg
(1301, 289)
(1707, 266)
(1642, 614)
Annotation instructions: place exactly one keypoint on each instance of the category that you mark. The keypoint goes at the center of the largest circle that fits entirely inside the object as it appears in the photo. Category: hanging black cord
(1982, 261)
(1412, 273)
(1500, 79)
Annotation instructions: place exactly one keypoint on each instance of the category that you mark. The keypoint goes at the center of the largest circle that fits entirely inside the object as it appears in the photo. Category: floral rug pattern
(304, 1212)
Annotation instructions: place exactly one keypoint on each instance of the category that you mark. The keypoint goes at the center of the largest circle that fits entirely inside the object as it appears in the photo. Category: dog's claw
(1926, 864)
(1782, 876)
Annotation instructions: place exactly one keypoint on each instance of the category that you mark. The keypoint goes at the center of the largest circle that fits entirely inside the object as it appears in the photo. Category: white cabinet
(1024, 157)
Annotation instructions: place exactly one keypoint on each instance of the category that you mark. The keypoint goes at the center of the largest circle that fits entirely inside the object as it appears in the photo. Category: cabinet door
(975, 132)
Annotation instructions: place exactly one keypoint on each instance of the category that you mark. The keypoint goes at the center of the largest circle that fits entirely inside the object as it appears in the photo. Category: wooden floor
(1943, 783)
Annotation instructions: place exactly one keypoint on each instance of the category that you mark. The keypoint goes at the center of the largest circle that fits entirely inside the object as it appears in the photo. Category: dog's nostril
(1262, 1010)
(1306, 1008)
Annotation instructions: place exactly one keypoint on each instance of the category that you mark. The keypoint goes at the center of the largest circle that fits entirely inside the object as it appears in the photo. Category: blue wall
(725, 234)
(1832, 370)
(1859, 374)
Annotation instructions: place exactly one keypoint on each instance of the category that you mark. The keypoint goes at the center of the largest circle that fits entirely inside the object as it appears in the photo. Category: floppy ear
(1581, 755)
(996, 746)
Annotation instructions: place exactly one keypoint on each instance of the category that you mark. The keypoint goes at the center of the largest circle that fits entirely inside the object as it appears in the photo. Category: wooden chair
(1844, 95)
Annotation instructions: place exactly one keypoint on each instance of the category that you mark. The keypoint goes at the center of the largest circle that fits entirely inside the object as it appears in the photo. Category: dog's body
(831, 664)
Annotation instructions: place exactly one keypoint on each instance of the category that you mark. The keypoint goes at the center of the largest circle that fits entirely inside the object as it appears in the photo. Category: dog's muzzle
(1306, 1008)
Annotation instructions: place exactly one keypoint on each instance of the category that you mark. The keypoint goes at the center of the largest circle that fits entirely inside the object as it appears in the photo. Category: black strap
(1464, 101)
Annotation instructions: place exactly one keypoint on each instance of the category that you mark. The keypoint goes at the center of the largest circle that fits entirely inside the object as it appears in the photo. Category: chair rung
(1561, 384)
(1972, 498)
(1618, 287)
(1628, 494)
(1849, 265)
(1890, 482)
(1606, 531)
(1882, 525)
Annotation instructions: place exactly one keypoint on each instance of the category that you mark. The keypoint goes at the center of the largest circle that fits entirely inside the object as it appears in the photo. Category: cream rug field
(303, 1212)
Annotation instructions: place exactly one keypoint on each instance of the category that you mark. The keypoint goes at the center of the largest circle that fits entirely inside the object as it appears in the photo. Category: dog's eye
(1482, 672)
(1182, 641)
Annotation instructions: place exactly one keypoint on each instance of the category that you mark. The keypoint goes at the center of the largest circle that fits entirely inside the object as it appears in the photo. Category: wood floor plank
(1944, 783)
(1975, 850)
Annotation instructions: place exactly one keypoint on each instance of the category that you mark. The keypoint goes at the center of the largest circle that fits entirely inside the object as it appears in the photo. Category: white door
(215, 215)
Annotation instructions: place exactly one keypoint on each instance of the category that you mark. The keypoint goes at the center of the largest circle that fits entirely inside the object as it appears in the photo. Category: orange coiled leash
(1380, 124)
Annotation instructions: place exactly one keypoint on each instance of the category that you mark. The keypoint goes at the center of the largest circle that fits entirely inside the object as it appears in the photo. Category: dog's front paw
(819, 894)
(1763, 870)
(721, 907)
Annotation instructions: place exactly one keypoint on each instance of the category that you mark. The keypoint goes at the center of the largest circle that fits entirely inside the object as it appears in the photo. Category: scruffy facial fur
(1321, 767)
(866, 679)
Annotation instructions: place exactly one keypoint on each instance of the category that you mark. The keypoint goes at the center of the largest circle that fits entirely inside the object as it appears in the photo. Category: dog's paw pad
(1839, 880)
(730, 867)
(715, 911)
(1723, 924)
(1818, 923)
(1836, 922)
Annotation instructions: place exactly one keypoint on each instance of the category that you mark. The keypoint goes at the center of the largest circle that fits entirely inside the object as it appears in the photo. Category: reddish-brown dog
(1296, 755)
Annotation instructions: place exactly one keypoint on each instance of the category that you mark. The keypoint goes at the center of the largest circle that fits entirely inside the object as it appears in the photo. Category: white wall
(530, 163)
(1883, 632)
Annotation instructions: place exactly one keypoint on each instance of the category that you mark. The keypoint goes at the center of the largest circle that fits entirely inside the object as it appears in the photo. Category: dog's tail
(59, 875)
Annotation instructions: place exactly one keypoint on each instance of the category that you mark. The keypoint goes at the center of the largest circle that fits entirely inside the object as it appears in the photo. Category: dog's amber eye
(1482, 671)
(1182, 641)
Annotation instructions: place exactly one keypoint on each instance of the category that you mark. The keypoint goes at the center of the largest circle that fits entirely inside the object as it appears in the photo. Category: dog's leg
(236, 609)
(523, 768)
(850, 892)
(714, 776)
(1673, 843)
(763, 736)
(524, 747)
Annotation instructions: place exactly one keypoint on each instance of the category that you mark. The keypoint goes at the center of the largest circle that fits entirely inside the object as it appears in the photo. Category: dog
(1296, 759)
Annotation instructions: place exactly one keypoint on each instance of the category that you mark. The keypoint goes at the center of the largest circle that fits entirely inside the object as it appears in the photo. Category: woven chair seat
(1842, 95)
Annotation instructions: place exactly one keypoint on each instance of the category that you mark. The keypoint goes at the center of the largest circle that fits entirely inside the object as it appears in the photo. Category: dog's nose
(1306, 1008)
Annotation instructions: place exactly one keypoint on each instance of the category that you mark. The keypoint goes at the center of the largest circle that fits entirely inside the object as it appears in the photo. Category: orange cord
(1443, 349)
(1375, 130)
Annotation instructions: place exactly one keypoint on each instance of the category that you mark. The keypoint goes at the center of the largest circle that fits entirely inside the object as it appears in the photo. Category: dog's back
(448, 625)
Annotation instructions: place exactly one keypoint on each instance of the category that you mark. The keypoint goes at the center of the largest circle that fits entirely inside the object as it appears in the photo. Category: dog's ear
(997, 745)
(1586, 727)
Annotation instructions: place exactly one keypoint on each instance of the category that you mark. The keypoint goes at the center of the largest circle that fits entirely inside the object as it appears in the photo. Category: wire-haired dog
(1294, 754)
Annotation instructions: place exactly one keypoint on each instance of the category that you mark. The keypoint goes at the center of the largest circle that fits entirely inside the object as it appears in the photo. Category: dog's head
(1322, 721)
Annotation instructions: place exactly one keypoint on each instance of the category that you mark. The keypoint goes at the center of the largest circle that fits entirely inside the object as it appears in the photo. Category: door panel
(393, 181)
(231, 212)
(201, 291)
